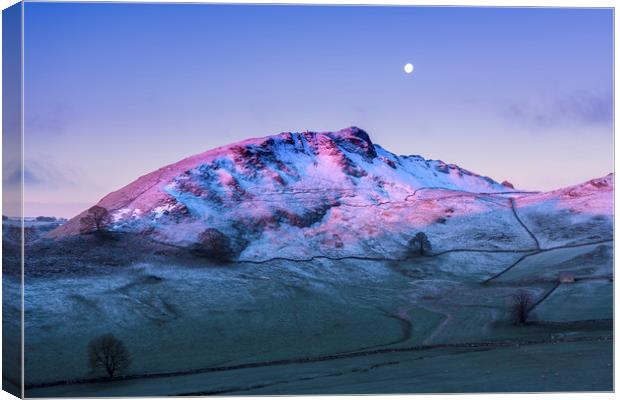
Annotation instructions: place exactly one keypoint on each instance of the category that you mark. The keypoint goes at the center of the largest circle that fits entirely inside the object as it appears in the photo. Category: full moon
(408, 68)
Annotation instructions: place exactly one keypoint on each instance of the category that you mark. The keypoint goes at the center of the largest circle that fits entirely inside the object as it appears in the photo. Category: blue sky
(113, 91)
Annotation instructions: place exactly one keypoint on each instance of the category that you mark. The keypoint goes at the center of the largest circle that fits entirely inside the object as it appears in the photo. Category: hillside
(333, 194)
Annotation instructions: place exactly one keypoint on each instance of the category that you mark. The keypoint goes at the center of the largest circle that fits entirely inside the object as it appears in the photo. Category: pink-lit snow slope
(571, 215)
(329, 193)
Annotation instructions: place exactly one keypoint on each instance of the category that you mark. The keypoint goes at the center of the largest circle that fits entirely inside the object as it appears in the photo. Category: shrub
(419, 244)
(215, 245)
(520, 306)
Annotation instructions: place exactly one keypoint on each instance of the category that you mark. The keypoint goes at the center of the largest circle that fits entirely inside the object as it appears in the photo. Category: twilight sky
(114, 91)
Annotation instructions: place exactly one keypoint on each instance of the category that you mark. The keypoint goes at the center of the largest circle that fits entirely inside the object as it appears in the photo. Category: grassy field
(181, 319)
(577, 366)
(585, 300)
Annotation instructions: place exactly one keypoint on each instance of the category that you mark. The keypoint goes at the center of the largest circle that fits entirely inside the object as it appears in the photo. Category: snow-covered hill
(570, 215)
(300, 195)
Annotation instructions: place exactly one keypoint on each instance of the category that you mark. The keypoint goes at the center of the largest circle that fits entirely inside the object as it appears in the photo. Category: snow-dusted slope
(572, 214)
(305, 194)
(592, 197)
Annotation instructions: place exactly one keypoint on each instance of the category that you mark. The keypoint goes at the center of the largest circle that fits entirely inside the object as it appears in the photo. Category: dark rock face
(305, 219)
(508, 184)
(600, 183)
(356, 140)
(256, 161)
(389, 162)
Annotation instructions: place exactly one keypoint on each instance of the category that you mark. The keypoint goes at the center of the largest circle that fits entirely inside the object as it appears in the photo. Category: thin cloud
(36, 174)
(48, 120)
(578, 108)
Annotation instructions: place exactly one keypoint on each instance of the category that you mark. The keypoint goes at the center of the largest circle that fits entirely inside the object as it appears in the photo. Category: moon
(408, 68)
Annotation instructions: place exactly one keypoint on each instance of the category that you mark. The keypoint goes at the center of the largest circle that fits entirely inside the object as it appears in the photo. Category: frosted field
(589, 300)
(583, 262)
(181, 319)
(184, 318)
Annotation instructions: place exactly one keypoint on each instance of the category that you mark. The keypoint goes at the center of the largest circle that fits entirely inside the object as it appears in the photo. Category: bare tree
(521, 305)
(419, 244)
(215, 245)
(96, 220)
(108, 354)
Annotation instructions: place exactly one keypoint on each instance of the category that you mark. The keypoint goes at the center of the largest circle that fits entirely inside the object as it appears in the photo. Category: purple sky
(114, 91)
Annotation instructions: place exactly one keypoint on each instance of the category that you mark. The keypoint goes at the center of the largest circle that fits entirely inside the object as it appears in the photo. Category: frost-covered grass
(570, 215)
(585, 300)
(464, 267)
(556, 227)
(585, 261)
(179, 317)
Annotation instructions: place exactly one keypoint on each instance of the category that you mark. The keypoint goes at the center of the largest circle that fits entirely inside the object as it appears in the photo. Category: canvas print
(233, 199)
